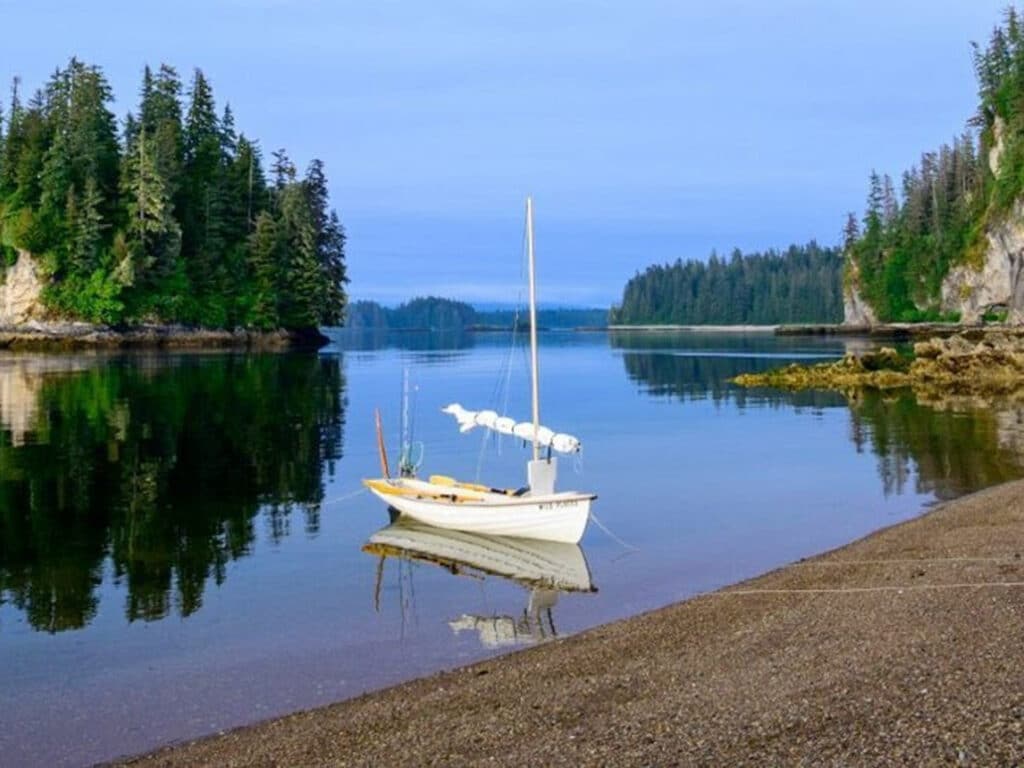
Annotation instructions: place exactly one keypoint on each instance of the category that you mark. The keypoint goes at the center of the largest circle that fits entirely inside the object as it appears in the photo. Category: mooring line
(852, 590)
(346, 497)
(612, 536)
(912, 561)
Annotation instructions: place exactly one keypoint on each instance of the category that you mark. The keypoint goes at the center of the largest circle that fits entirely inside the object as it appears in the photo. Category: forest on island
(168, 216)
(910, 237)
(434, 313)
(802, 284)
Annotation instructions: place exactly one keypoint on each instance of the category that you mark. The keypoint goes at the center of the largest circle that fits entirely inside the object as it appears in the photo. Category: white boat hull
(550, 517)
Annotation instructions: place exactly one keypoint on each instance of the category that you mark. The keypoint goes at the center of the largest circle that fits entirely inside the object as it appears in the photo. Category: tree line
(799, 285)
(904, 245)
(435, 313)
(166, 217)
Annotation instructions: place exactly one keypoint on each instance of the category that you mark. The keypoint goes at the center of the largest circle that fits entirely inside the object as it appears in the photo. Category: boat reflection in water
(544, 568)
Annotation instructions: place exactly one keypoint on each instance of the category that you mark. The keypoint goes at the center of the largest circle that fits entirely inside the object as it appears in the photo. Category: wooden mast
(534, 376)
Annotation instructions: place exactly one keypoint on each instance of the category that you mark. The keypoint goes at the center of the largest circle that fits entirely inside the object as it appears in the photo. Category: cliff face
(999, 284)
(20, 292)
(996, 285)
(856, 311)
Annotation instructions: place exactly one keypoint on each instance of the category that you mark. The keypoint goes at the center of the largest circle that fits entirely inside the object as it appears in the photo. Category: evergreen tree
(86, 224)
(153, 237)
(12, 143)
(203, 209)
(330, 246)
(299, 287)
(265, 248)
(161, 119)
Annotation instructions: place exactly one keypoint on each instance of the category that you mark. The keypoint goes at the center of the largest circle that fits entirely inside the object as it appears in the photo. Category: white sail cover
(557, 441)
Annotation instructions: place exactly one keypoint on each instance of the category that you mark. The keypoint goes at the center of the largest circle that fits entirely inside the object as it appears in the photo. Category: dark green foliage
(799, 285)
(562, 317)
(366, 314)
(908, 245)
(161, 225)
(423, 313)
(436, 314)
(946, 203)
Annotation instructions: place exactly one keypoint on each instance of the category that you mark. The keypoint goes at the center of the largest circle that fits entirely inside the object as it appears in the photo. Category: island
(166, 228)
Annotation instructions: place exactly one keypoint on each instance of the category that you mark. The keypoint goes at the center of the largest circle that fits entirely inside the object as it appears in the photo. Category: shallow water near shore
(181, 535)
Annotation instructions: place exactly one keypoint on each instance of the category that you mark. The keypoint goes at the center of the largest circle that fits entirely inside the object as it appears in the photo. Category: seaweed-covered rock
(965, 364)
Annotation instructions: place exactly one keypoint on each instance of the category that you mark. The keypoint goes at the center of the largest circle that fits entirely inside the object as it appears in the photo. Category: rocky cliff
(998, 285)
(856, 311)
(20, 291)
(993, 284)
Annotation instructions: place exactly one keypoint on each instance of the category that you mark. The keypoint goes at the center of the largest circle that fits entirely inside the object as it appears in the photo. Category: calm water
(181, 536)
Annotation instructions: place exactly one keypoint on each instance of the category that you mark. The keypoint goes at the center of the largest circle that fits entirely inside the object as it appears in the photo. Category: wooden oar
(453, 483)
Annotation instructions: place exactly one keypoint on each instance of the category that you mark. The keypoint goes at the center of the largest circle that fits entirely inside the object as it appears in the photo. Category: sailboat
(536, 511)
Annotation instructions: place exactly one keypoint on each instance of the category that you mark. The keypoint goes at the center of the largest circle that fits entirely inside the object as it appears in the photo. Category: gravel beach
(903, 648)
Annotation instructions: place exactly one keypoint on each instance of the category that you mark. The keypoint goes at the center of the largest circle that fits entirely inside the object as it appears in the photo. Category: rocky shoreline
(896, 331)
(899, 649)
(57, 336)
(970, 363)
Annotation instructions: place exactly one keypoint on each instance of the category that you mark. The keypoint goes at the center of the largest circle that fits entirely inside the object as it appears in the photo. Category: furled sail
(558, 441)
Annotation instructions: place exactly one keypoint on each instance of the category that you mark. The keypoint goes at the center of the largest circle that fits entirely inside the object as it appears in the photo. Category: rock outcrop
(856, 311)
(993, 285)
(977, 364)
(996, 284)
(999, 283)
(20, 292)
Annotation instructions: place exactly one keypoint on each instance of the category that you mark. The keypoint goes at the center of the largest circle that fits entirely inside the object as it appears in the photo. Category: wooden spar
(380, 445)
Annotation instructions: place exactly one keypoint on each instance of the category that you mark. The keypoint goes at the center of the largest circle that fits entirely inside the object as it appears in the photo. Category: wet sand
(903, 648)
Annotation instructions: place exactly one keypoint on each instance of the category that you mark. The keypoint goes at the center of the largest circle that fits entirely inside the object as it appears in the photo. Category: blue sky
(646, 130)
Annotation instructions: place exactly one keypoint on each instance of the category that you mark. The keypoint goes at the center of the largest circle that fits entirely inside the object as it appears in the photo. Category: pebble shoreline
(902, 648)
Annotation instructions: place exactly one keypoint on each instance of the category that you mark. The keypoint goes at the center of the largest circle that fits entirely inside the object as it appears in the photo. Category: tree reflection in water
(157, 464)
(949, 447)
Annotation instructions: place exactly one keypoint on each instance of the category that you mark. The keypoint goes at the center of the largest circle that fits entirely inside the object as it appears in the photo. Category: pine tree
(330, 246)
(153, 237)
(12, 143)
(300, 285)
(86, 226)
(160, 117)
(202, 245)
(851, 232)
(264, 255)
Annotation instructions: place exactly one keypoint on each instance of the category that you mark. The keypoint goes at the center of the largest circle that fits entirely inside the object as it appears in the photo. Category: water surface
(181, 536)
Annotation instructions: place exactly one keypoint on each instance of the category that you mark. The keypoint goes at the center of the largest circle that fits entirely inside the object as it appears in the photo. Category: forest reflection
(948, 448)
(158, 464)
